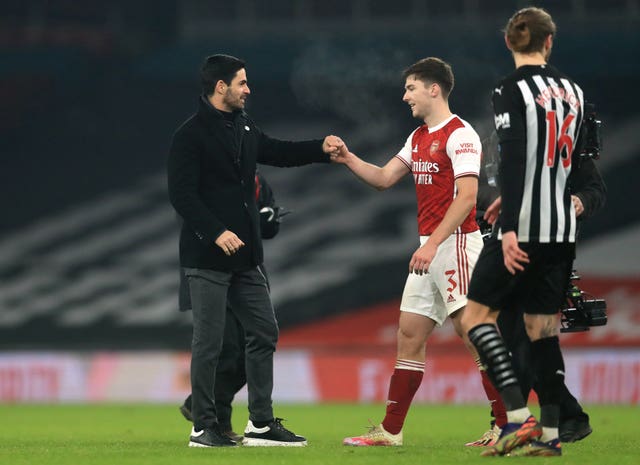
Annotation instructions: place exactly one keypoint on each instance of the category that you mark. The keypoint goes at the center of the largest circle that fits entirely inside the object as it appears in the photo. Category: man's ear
(221, 87)
(548, 43)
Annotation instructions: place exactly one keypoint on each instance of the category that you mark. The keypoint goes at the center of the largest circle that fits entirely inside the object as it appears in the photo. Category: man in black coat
(211, 169)
(230, 371)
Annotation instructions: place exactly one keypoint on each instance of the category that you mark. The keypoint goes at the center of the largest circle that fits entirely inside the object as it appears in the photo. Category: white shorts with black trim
(443, 289)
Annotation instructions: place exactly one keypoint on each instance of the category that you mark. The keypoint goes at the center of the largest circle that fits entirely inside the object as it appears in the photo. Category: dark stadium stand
(90, 93)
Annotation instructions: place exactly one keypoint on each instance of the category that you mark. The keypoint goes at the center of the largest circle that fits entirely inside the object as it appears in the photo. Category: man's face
(237, 92)
(417, 95)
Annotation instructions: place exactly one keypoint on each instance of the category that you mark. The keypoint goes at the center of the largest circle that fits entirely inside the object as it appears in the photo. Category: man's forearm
(368, 172)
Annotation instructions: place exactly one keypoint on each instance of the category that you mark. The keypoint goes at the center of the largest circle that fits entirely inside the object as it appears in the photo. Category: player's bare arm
(492, 212)
(467, 188)
(378, 177)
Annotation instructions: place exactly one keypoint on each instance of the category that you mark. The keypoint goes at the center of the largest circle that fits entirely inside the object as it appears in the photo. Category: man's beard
(234, 104)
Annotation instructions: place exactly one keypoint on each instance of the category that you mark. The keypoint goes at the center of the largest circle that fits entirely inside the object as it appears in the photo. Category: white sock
(549, 434)
(518, 415)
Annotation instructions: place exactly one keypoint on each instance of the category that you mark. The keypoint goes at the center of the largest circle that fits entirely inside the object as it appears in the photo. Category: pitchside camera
(590, 133)
(580, 313)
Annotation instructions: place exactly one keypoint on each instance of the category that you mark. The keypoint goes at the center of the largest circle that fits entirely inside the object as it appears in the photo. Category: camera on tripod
(580, 313)
(591, 139)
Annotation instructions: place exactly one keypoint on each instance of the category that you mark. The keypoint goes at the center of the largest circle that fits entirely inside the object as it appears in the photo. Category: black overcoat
(211, 170)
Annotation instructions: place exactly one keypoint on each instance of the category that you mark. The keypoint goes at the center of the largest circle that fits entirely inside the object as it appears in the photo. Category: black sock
(549, 367)
(495, 356)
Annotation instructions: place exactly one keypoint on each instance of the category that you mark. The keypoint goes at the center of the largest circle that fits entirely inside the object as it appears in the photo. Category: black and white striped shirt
(538, 113)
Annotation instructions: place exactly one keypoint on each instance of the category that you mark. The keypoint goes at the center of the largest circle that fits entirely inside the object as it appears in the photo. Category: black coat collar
(216, 123)
(210, 113)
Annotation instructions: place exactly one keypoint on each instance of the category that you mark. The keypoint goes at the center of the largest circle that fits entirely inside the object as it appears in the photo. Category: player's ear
(506, 42)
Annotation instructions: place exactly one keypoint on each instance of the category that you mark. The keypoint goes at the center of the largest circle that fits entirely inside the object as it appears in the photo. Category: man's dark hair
(432, 69)
(218, 68)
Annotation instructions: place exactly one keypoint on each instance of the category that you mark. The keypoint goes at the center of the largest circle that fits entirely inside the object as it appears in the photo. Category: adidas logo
(451, 299)
(415, 149)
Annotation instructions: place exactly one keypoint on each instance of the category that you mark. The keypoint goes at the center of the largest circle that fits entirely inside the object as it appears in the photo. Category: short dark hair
(216, 68)
(432, 69)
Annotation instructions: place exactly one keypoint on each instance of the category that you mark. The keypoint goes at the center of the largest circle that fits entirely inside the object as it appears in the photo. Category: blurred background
(90, 94)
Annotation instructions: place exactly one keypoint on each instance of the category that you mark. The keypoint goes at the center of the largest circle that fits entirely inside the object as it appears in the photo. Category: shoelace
(277, 423)
(373, 430)
(488, 436)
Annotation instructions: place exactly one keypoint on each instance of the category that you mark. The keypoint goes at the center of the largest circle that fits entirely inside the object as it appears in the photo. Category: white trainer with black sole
(272, 435)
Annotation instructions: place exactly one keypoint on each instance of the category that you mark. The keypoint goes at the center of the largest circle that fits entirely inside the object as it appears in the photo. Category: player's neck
(522, 59)
(437, 116)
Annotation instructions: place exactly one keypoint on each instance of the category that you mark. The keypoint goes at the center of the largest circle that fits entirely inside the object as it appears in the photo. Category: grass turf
(152, 434)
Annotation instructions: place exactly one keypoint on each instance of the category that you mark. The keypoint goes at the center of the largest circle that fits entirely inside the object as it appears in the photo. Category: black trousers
(514, 333)
(247, 294)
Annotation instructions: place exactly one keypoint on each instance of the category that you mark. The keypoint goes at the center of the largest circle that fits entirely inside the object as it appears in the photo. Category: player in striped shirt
(538, 114)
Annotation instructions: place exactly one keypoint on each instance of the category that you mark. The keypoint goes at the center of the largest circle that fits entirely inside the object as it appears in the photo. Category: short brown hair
(528, 28)
(433, 69)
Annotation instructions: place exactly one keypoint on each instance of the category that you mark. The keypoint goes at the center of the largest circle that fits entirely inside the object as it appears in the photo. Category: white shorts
(443, 289)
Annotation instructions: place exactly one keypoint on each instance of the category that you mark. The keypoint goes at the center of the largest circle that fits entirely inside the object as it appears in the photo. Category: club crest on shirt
(434, 146)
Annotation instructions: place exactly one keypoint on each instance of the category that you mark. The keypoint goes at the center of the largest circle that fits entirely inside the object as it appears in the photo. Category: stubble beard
(234, 104)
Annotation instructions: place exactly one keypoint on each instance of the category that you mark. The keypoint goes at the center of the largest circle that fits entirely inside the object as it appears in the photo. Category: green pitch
(145, 434)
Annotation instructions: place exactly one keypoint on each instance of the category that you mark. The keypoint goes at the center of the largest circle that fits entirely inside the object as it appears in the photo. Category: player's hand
(491, 214)
(332, 145)
(229, 242)
(514, 256)
(342, 156)
(422, 258)
(577, 205)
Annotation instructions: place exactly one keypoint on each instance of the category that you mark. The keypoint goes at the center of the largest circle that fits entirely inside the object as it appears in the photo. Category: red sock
(405, 381)
(497, 406)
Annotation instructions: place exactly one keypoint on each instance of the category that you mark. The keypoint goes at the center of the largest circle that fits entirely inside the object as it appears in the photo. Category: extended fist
(332, 145)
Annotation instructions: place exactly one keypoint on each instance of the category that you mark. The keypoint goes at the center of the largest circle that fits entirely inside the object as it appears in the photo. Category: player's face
(417, 95)
(237, 92)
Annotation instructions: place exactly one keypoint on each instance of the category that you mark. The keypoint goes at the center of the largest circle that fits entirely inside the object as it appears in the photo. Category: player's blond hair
(528, 28)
